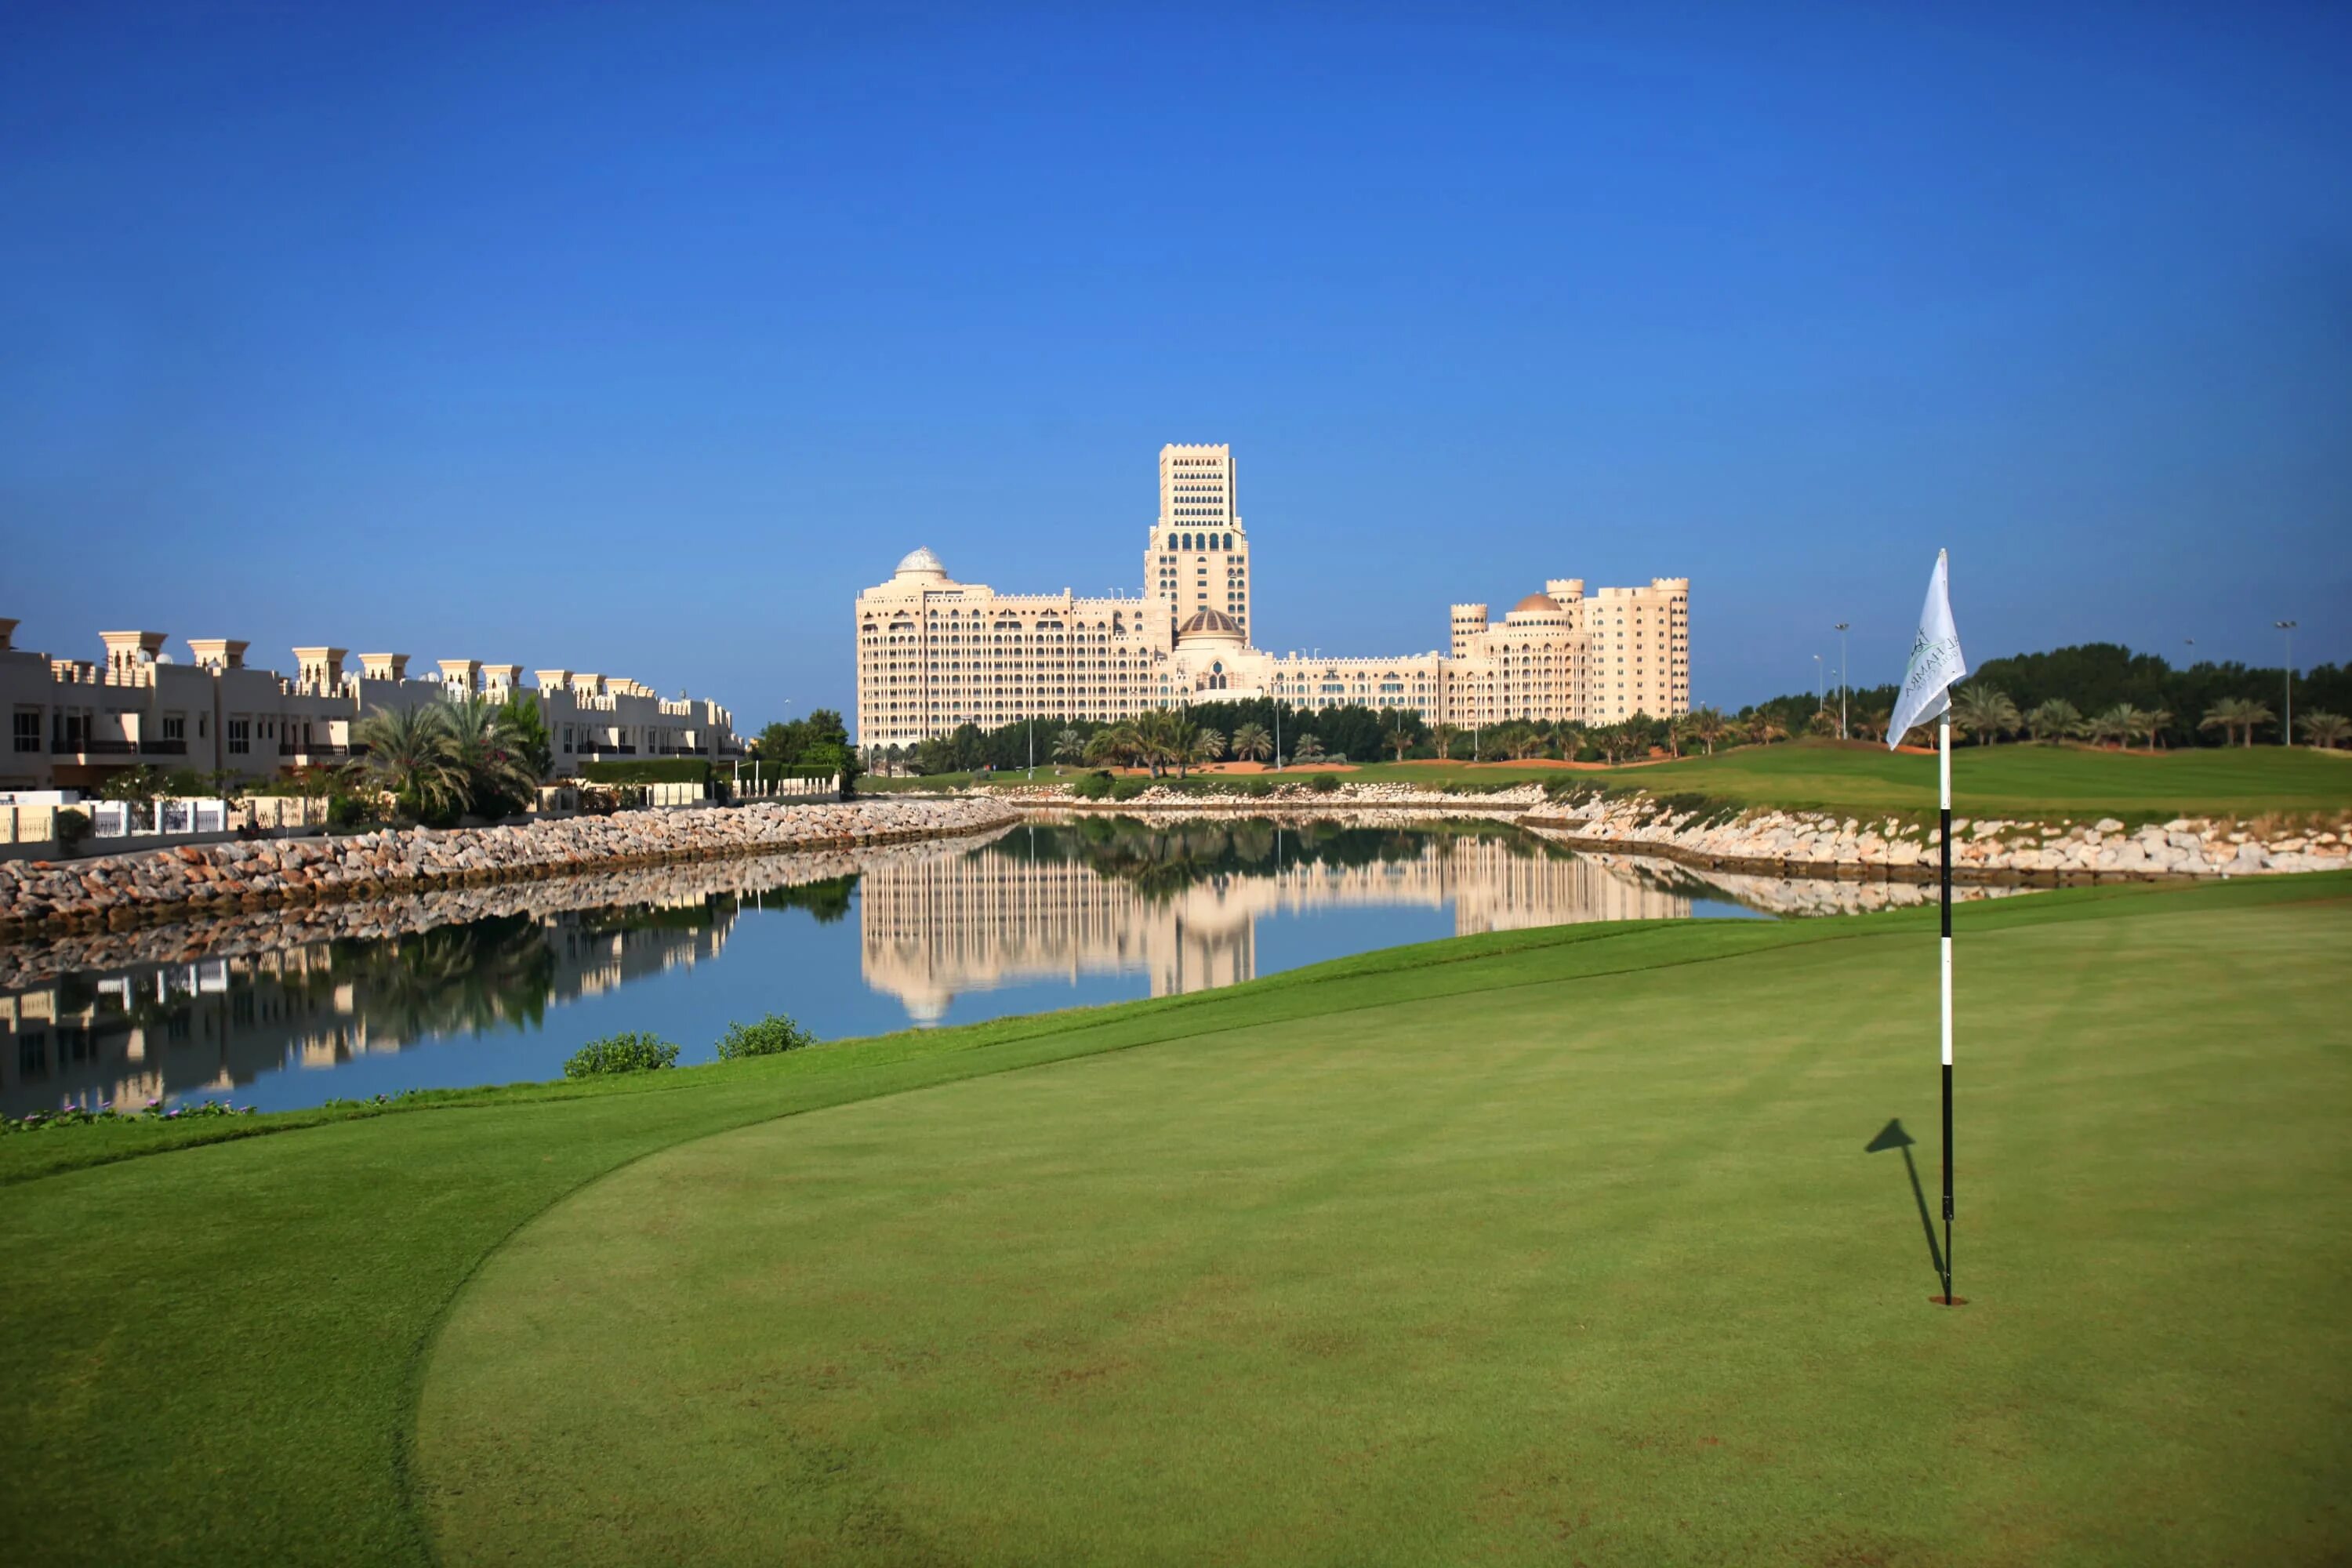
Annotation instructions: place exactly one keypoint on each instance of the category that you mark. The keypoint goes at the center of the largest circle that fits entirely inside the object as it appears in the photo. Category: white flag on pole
(1936, 662)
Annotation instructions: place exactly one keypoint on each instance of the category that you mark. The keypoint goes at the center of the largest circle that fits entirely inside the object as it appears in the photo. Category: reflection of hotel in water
(934, 928)
(212, 1024)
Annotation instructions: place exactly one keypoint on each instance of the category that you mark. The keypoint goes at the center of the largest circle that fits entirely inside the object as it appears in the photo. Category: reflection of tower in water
(933, 929)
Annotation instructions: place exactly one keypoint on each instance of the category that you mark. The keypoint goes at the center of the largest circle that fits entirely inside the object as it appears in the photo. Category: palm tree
(2056, 719)
(1707, 726)
(1823, 723)
(1400, 733)
(2153, 722)
(1442, 737)
(1118, 744)
(1871, 724)
(490, 760)
(1069, 745)
(2233, 715)
(408, 755)
(1308, 749)
(1675, 727)
(1984, 713)
(2325, 731)
(2114, 725)
(1763, 730)
(1207, 746)
(1251, 744)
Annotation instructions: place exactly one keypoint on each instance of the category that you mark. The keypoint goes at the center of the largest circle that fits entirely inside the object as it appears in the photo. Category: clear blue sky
(638, 338)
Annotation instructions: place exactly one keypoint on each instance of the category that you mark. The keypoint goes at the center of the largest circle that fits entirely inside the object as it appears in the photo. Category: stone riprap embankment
(122, 891)
(1808, 844)
(243, 933)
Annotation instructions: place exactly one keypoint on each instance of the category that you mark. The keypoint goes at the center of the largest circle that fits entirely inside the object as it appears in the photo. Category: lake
(296, 1007)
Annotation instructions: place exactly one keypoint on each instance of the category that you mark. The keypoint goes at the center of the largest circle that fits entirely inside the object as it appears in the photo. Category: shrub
(1324, 784)
(1094, 786)
(772, 1036)
(73, 826)
(634, 1050)
(652, 770)
(1128, 789)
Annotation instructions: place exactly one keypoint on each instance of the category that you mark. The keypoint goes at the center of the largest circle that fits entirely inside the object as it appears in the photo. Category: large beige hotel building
(934, 653)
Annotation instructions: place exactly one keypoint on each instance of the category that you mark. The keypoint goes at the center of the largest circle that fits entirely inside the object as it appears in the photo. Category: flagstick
(1944, 781)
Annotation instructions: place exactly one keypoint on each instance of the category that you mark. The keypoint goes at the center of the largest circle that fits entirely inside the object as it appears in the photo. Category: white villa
(73, 721)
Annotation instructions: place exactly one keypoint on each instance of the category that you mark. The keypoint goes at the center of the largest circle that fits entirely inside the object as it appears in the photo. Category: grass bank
(2031, 781)
(1546, 1241)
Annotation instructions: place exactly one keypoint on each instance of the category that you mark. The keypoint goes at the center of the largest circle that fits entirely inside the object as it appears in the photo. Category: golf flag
(1936, 662)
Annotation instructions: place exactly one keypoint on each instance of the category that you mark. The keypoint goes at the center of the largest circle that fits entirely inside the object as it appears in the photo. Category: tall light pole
(2286, 726)
(1843, 682)
(1821, 685)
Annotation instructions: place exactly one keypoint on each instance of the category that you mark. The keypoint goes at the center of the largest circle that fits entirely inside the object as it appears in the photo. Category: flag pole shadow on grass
(1892, 1136)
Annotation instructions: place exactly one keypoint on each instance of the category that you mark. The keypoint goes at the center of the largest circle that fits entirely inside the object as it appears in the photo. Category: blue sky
(638, 338)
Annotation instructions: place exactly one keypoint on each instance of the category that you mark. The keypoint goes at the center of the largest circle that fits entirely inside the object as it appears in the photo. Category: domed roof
(1211, 624)
(1536, 602)
(921, 559)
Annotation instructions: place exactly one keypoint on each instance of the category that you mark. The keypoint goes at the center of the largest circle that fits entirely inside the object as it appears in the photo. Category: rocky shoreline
(117, 893)
(1818, 844)
(241, 935)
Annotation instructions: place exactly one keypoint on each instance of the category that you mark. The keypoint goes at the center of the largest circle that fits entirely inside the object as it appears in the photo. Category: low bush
(1093, 786)
(772, 1036)
(106, 1114)
(1128, 789)
(650, 770)
(634, 1050)
(73, 826)
(1324, 784)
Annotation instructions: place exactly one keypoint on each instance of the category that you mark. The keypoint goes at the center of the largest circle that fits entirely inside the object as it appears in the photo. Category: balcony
(101, 746)
(321, 752)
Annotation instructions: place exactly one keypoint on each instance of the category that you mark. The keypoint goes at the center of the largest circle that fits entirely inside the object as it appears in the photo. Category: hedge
(653, 769)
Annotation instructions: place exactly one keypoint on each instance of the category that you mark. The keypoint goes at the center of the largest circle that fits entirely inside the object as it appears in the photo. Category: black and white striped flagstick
(1944, 803)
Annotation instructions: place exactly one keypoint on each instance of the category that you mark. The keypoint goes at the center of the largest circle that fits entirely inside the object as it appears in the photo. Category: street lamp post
(1842, 667)
(1821, 685)
(2286, 725)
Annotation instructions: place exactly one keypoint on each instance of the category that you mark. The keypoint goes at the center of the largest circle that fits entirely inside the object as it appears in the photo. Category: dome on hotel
(922, 560)
(1532, 602)
(1213, 626)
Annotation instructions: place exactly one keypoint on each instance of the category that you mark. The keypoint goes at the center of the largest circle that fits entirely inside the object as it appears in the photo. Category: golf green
(1592, 1267)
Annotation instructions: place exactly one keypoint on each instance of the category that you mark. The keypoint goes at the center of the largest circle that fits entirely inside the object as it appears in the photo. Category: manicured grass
(1544, 1245)
(2039, 783)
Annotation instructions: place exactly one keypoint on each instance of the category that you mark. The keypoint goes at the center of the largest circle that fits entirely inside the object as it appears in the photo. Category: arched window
(1229, 542)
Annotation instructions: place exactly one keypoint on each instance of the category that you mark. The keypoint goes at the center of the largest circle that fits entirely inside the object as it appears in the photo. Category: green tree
(496, 779)
(1984, 713)
(2325, 731)
(2055, 720)
(1251, 742)
(1069, 745)
(526, 729)
(1307, 748)
(2237, 716)
(1707, 726)
(408, 755)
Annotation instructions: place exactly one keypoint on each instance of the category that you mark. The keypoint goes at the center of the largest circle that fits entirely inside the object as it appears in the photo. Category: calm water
(1042, 916)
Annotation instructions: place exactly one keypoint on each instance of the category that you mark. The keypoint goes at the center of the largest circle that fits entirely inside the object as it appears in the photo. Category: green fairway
(1547, 1245)
(2033, 782)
